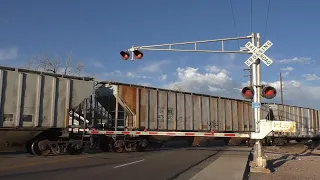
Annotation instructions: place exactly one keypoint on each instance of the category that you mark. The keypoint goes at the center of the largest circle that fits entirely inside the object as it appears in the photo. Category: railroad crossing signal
(125, 54)
(247, 92)
(258, 53)
(267, 92)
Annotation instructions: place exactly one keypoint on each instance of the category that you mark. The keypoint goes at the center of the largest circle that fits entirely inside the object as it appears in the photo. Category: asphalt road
(163, 164)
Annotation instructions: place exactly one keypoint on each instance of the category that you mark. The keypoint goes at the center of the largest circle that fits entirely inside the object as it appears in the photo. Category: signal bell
(268, 92)
(247, 92)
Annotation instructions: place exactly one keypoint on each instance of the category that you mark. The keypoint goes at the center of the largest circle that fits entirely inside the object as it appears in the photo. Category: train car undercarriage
(74, 144)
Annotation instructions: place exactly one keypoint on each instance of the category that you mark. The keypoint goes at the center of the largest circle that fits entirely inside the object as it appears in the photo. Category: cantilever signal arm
(136, 50)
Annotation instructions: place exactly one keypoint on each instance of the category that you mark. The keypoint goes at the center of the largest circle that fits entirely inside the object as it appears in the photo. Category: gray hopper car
(35, 108)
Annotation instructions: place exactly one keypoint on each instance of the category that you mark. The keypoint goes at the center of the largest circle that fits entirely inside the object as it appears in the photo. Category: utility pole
(249, 75)
(281, 92)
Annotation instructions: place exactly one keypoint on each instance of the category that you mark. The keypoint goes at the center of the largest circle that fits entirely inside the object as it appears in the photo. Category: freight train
(52, 113)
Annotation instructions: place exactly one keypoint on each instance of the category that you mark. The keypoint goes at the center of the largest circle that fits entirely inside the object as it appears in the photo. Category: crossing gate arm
(266, 126)
(159, 133)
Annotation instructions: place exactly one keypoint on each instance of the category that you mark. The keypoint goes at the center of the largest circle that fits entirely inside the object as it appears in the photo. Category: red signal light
(269, 92)
(138, 54)
(247, 92)
(125, 55)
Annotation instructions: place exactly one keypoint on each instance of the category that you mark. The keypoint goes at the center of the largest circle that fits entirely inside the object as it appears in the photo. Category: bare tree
(177, 87)
(43, 62)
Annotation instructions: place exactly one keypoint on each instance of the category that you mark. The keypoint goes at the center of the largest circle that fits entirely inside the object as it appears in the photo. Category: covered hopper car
(37, 109)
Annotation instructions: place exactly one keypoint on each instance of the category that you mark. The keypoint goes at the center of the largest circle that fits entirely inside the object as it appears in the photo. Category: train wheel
(119, 146)
(40, 148)
(74, 149)
(28, 147)
(55, 149)
(142, 145)
(77, 148)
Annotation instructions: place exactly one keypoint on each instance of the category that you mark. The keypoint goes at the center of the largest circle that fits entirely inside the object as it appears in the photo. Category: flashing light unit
(137, 54)
(267, 92)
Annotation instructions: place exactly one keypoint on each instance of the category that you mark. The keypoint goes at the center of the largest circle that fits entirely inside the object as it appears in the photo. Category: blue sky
(96, 31)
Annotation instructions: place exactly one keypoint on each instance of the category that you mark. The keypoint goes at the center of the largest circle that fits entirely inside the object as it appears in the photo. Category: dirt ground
(292, 162)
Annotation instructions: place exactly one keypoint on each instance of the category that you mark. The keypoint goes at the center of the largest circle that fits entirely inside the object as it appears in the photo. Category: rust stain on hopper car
(129, 96)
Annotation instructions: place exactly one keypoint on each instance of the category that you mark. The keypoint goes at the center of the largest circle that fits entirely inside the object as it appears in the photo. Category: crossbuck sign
(258, 53)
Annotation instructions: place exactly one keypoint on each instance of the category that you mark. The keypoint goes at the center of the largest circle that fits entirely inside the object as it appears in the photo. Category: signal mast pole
(259, 160)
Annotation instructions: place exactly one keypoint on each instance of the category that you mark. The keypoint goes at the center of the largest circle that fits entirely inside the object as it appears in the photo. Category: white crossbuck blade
(259, 53)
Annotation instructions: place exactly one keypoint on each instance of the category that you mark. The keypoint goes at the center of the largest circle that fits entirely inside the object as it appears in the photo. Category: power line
(250, 68)
(265, 30)
(234, 22)
(251, 14)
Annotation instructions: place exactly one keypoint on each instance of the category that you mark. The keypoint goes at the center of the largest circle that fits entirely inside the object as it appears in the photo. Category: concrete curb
(231, 165)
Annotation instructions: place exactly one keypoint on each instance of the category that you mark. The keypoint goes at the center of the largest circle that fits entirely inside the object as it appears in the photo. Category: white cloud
(311, 77)
(163, 77)
(131, 74)
(215, 69)
(286, 74)
(216, 83)
(298, 60)
(287, 69)
(9, 53)
(135, 75)
(154, 67)
(115, 73)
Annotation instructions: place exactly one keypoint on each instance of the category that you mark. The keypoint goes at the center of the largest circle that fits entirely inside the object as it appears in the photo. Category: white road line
(128, 163)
